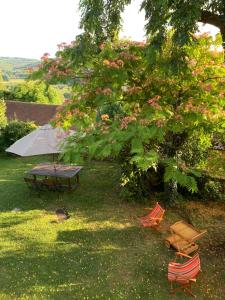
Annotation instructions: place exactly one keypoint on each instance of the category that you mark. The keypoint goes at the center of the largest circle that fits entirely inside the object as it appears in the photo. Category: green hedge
(3, 119)
(13, 131)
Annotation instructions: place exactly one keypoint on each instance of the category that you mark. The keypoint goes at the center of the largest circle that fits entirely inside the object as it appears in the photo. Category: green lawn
(101, 252)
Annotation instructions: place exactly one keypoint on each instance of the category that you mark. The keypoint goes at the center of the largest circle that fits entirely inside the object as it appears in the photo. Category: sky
(30, 28)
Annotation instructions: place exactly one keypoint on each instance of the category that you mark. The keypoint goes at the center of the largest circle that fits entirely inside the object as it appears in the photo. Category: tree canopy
(157, 117)
(102, 19)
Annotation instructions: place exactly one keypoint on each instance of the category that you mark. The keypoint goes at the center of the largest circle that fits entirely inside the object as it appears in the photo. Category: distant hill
(16, 67)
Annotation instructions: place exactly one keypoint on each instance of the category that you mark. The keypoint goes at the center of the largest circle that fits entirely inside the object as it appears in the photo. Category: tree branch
(215, 20)
(213, 78)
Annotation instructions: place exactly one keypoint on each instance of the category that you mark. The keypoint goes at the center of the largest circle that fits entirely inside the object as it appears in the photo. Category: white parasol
(44, 140)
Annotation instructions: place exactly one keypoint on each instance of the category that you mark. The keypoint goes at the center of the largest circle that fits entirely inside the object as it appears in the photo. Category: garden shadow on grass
(42, 273)
(15, 219)
(14, 192)
(84, 263)
(111, 237)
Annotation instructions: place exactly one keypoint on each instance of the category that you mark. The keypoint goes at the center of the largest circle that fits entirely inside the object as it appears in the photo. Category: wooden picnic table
(57, 171)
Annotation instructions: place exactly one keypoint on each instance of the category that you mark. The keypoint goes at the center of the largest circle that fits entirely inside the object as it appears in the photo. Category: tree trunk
(216, 20)
(171, 194)
(172, 145)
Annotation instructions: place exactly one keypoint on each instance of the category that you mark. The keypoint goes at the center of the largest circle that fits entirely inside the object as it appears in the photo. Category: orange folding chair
(154, 217)
(184, 274)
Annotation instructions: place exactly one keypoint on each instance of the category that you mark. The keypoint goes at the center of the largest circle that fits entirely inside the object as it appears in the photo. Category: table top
(55, 170)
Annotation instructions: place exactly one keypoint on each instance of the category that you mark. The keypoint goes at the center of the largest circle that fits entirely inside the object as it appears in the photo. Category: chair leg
(171, 288)
(185, 288)
(189, 291)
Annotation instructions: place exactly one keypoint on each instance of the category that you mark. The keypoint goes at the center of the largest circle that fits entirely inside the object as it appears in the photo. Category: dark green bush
(13, 131)
(219, 141)
(3, 119)
(208, 188)
(137, 184)
(195, 150)
(213, 190)
(140, 185)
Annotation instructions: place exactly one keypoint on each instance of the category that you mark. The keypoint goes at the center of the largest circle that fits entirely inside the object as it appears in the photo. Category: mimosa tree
(156, 119)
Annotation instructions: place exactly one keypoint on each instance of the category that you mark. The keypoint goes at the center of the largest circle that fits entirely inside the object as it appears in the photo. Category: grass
(101, 252)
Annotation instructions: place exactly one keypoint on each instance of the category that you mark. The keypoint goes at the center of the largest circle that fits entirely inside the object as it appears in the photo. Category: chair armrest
(152, 218)
(183, 254)
(173, 263)
(185, 278)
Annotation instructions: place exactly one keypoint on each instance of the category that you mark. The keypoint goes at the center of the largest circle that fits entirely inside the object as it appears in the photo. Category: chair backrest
(157, 211)
(183, 272)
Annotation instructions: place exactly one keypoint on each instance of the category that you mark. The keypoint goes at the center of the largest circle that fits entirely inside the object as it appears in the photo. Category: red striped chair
(154, 217)
(184, 274)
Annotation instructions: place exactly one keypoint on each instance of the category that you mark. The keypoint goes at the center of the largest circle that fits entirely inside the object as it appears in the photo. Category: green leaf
(194, 172)
(106, 151)
(173, 173)
(116, 148)
(137, 146)
(146, 161)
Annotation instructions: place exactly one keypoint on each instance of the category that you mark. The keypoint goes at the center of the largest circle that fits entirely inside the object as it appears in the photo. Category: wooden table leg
(69, 185)
(78, 178)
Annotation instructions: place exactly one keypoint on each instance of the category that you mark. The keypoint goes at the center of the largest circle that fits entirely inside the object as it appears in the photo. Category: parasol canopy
(44, 140)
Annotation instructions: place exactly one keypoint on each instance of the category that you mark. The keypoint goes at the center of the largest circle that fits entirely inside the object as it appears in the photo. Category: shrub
(213, 190)
(209, 188)
(195, 150)
(3, 119)
(219, 141)
(34, 91)
(14, 131)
